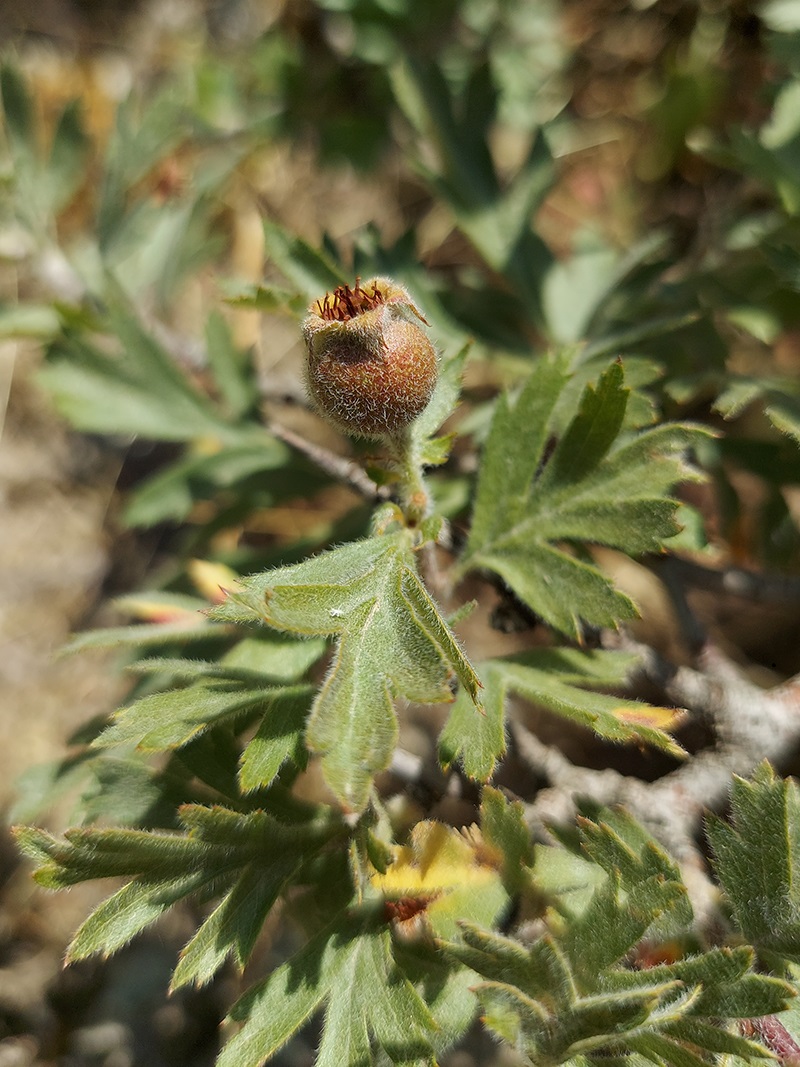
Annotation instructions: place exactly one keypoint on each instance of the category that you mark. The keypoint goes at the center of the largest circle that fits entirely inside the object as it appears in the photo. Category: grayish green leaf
(234, 925)
(392, 641)
(594, 488)
(130, 910)
(171, 719)
(559, 680)
(757, 858)
(279, 738)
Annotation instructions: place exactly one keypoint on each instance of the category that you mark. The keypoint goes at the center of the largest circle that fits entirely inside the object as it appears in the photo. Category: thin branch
(664, 816)
(339, 467)
(735, 581)
(674, 580)
(750, 724)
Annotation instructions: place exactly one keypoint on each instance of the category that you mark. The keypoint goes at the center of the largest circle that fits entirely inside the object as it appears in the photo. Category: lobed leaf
(233, 927)
(273, 1010)
(392, 641)
(780, 397)
(132, 908)
(140, 392)
(571, 992)
(279, 739)
(757, 859)
(504, 828)
(594, 487)
(248, 857)
(559, 680)
(348, 966)
(172, 719)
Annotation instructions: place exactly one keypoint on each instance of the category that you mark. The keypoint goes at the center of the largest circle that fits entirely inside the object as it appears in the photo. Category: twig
(750, 725)
(663, 816)
(339, 467)
(692, 630)
(735, 581)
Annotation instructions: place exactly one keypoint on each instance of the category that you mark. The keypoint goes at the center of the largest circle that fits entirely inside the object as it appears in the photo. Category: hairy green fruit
(371, 367)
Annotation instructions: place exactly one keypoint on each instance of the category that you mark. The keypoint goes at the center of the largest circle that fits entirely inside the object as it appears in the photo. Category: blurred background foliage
(179, 178)
(622, 178)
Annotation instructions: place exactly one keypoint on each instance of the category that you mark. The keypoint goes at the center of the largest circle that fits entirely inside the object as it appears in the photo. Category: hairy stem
(414, 498)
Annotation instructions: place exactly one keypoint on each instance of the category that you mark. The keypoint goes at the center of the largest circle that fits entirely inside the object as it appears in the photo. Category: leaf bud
(371, 366)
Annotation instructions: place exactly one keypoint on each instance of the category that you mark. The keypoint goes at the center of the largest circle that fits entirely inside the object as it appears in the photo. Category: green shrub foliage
(584, 386)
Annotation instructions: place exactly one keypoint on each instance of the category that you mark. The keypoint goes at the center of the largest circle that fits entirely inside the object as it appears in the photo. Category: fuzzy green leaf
(714, 1039)
(345, 1037)
(616, 842)
(130, 910)
(274, 655)
(618, 845)
(170, 493)
(559, 680)
(179, 632)
(535, 971)
(595, 488)
(572, 993)
(276, 1008)
(427, 449)
(727, 987)
(234, 925)
(757, 858)
(656, 1047)
(307, 268)
(446, 989)
(392, 640)
(247, 856)
(172, 719)
(268, 298)
(503, 827)
(93, 853)
(140, 392)
(555, 1011)
(780, 397)
(268, 657)
(613, 923)
(391, 1007)
(279, 738)
(232, 368)
(475, 737)
(349, 966)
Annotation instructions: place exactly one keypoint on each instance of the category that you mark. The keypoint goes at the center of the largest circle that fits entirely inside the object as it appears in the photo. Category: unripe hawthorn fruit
(371, 368)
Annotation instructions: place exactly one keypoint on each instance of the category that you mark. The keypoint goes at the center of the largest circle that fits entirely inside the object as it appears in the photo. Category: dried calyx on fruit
(371, 367)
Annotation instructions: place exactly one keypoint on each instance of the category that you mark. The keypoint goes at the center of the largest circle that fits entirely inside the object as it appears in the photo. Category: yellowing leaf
(456, 872)
(636, 714)
(560, 680)
(212, 580)
(437, 859)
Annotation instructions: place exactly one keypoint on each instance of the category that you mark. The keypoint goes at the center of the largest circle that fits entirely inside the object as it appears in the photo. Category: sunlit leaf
(590, 487)
(392, 641)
